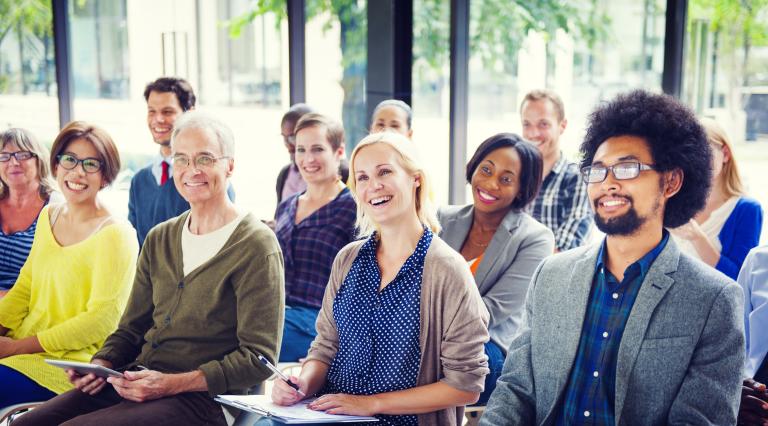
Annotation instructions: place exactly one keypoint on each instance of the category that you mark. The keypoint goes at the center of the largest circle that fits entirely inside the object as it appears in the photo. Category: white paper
(298, 411)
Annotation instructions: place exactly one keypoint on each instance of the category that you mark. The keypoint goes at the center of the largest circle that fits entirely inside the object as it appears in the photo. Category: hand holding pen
(284, 395)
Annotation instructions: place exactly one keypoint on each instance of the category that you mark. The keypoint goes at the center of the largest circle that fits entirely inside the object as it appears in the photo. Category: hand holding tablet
(84, 368)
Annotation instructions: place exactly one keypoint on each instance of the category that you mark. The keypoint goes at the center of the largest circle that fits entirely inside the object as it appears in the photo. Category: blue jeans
(495, 364)
(16, 388)
(298, 332)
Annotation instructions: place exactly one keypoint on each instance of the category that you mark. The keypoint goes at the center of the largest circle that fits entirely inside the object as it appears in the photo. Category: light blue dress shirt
(753, 279)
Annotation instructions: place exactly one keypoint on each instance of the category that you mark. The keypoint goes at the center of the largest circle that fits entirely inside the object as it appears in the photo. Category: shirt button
(586, 414)
(595, 373)
(615, 295)
(605, 334)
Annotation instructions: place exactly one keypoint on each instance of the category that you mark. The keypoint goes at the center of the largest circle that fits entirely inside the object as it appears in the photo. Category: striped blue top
(14, 249)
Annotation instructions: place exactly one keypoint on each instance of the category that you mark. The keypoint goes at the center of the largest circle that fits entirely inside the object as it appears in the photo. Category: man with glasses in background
(562, 204)
(153, 197)
(630, 331)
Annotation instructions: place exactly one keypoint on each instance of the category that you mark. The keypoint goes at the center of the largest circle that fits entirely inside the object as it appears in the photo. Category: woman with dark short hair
(75, 283)
(25, 188)
(502, 244)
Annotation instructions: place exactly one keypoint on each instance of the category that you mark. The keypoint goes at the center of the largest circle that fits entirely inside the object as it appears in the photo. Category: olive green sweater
(217, 319)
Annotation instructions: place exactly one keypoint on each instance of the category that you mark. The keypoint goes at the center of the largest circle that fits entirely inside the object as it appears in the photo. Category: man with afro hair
(630, 331)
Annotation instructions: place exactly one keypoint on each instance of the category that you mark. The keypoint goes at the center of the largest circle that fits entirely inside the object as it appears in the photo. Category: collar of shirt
(560, 165)
(643, 264)
(157, 168)
(415, 262)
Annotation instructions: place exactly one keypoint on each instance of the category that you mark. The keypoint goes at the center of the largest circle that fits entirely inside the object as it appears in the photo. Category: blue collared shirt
(753, 279)
(590, 394)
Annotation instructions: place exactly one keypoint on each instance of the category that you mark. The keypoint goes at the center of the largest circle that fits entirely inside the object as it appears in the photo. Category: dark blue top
(309, 247)
(14, 249)
(740, 234)
(591, 390)
(379, 330)
(150, 204)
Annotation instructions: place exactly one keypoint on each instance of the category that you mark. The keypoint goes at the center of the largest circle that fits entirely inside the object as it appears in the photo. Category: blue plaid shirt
(591, 390)
(562, 205)
(309, 247)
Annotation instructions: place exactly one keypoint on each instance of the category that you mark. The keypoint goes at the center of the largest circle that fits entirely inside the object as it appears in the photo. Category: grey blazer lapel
(497, 249)
(656, 284)
(456, 227)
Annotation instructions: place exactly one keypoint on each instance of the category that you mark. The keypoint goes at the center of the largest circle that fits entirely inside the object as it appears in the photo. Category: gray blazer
(516, 249)
(680, 358)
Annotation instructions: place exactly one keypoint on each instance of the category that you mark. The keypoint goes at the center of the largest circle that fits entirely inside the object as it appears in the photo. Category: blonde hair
(730, 178)
(26, 141)
(409, 160)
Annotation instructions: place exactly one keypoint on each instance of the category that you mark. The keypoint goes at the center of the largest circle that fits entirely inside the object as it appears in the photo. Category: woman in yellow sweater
(72, 289)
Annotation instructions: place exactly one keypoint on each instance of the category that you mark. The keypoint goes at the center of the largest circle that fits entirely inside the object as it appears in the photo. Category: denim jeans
(298, 332)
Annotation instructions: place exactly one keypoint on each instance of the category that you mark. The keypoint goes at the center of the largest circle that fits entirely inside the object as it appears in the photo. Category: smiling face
(200, 184)
(76, 185)
(624, 207)
(163, 109)
(315, 157)
(393, 119)
(541, 125)
(496, 181)
(384, 188)
(18, 174)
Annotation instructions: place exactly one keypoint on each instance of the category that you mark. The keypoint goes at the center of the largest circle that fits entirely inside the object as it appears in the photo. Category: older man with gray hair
(206, 301)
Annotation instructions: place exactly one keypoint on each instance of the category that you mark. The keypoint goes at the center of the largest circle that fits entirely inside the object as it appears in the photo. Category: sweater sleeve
(259, 291)
(740, 234)
(326, 344)
(111, 274)
(465, 328)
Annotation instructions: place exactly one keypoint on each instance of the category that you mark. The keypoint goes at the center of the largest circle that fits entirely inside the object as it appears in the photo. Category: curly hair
(675, 137)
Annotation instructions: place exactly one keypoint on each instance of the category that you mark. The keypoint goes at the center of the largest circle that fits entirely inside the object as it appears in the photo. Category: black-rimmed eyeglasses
(69, 162)
(18, 155)
(621, 171)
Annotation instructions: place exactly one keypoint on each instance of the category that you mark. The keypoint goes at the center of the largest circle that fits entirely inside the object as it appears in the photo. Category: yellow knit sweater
(70, 297)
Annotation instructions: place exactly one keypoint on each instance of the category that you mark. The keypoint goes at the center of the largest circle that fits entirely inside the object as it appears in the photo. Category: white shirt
(198, 249)
(753, 279)
(157, 168)
(711, 228)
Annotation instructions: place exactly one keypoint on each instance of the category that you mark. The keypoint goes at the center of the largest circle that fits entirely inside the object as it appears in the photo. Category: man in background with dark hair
(562, 204)
(289, 180)
(630, 331)
(153, 197)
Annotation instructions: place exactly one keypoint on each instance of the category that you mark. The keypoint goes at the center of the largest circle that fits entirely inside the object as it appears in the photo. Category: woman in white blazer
(502, 244)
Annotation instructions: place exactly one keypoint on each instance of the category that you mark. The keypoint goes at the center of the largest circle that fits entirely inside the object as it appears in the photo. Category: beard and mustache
(626, 224)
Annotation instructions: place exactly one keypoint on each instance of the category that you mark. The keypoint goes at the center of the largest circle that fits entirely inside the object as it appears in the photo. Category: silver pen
(280, 375)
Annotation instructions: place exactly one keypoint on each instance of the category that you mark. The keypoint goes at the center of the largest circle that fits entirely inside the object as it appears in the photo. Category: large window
(239, 74)
(27, 71)
(336, 49)
(726, 79)
(430, 82)
(586, 53)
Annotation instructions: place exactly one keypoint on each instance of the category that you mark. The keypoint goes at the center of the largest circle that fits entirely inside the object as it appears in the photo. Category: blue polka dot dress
(379, 331)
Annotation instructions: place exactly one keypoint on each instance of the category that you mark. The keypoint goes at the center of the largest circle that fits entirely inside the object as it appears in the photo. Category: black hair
(295, 112)
(674, 136)
(178, 86)
(398, 104)
(531, 164)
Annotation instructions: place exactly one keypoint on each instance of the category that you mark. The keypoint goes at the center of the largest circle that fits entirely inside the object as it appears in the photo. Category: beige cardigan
(454, 325)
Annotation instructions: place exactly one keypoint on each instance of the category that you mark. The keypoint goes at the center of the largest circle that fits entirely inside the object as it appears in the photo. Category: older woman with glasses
(25, 188)
(74, 285)
(402, 326)
(728, 227)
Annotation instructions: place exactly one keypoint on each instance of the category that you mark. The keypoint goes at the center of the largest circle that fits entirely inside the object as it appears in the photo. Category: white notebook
(294, 414)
